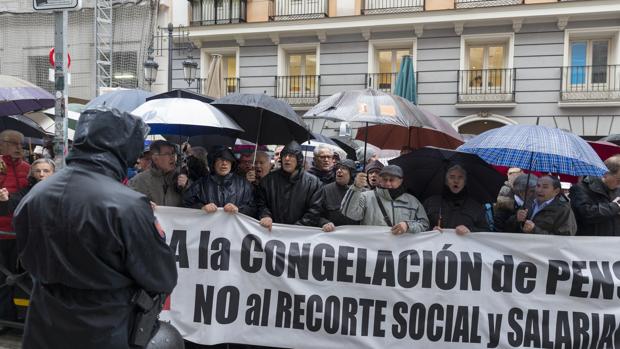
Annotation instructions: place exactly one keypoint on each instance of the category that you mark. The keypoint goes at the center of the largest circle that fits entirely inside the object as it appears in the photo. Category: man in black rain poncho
(90, 243)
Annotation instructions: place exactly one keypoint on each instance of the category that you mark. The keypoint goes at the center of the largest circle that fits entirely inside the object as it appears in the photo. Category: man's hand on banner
(462, 230)
(400, 228)
(528, 226)
(231, 208)
(209, 208)
(329, 227)
(266, 222)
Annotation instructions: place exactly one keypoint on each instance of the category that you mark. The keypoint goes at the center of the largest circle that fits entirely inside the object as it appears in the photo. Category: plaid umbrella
(536, 148)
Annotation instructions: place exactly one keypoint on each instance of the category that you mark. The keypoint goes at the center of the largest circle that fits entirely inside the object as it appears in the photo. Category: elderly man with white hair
(323, 166)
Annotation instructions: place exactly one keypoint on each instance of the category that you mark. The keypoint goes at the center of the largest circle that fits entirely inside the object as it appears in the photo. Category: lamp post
(189, 70)
(170, 30)
(150, 68)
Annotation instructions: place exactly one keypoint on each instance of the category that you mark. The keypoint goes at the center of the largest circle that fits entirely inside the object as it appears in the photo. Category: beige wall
(431, 5)
(258, 10)
(332, 12)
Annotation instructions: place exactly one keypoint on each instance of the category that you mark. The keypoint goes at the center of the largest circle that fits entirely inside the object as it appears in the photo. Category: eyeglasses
(166, 154)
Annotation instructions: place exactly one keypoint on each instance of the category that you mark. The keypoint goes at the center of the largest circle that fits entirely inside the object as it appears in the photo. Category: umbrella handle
(260, 124)
(365, 144)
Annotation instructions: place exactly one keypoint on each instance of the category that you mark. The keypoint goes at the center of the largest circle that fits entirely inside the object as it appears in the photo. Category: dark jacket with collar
(333, 193)
(557, 218)
(325, 177)
(90, 242)
(221, 190)
(596, 214)
(290, 198)
(455, 210)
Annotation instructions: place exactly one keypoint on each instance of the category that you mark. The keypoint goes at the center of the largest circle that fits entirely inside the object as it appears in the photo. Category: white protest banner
(362, 286)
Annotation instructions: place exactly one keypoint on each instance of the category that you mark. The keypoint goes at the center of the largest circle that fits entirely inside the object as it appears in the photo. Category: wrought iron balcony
(285, 10)
(232, 85)
(381, 81)
(210, 12)
(590, 83)
(484, 3)
(391, 6)
(298, 90)
(486, 86)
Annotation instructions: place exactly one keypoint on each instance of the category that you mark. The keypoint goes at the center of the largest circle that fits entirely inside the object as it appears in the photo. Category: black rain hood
(294, 148)
(111, 149)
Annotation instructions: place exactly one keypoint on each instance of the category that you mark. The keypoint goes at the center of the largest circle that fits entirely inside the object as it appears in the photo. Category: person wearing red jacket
(14, 177)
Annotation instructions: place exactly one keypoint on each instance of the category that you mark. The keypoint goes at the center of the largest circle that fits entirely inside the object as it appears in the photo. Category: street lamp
(189, 70)
(150, 68)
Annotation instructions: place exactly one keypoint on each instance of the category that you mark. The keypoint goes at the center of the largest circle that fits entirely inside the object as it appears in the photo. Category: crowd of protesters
(330, 192)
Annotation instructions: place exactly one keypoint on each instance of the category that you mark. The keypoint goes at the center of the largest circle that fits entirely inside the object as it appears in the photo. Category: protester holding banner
(333, 193)
(388, 205)
(454, 208)
(222, 188)
(596, 202)
(505, 210)
(91, 244)
(289, 195)
(550, 213)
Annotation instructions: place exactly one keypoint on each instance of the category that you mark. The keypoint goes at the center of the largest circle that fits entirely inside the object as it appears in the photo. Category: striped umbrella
(19, 96)
(536, 148)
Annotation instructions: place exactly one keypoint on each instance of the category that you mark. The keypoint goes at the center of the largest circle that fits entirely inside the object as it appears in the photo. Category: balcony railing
(381, 81)
(391, 6)
(299, 90)
(210, 12)
(232, 85)
(283, 10)
(484, 3)
(486, 86)
(590, 83)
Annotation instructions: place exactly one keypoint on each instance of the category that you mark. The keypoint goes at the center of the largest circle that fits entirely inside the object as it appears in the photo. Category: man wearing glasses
(162, 183)
(14, 177)
(323, 164)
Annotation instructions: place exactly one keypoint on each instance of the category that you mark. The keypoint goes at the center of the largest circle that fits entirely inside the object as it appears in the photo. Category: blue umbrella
(123, 100)
(537, 148)
(405, 81)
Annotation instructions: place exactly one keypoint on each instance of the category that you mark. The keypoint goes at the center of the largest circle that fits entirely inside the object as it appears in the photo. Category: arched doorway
(479, 123)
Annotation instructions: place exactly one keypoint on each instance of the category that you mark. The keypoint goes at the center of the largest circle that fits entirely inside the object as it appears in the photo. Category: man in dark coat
(323, 164)
(596, 202)
(222, 188)
(289, 194)
(90, 243)
(454, 208)
(333, 193)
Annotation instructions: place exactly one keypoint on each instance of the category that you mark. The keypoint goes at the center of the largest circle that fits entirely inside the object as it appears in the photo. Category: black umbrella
(615, 139)
(348, 145)
(266, 120)
(425, 170)
(180, 93)
(23, 124)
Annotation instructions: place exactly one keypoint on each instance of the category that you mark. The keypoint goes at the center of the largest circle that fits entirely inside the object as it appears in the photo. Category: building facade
(479, 64)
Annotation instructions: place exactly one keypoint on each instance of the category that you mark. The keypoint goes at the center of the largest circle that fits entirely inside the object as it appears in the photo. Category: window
(589, 53)
(485, 64)
(384, 59)
(389, 65)
(298, 73)
(124, 69)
